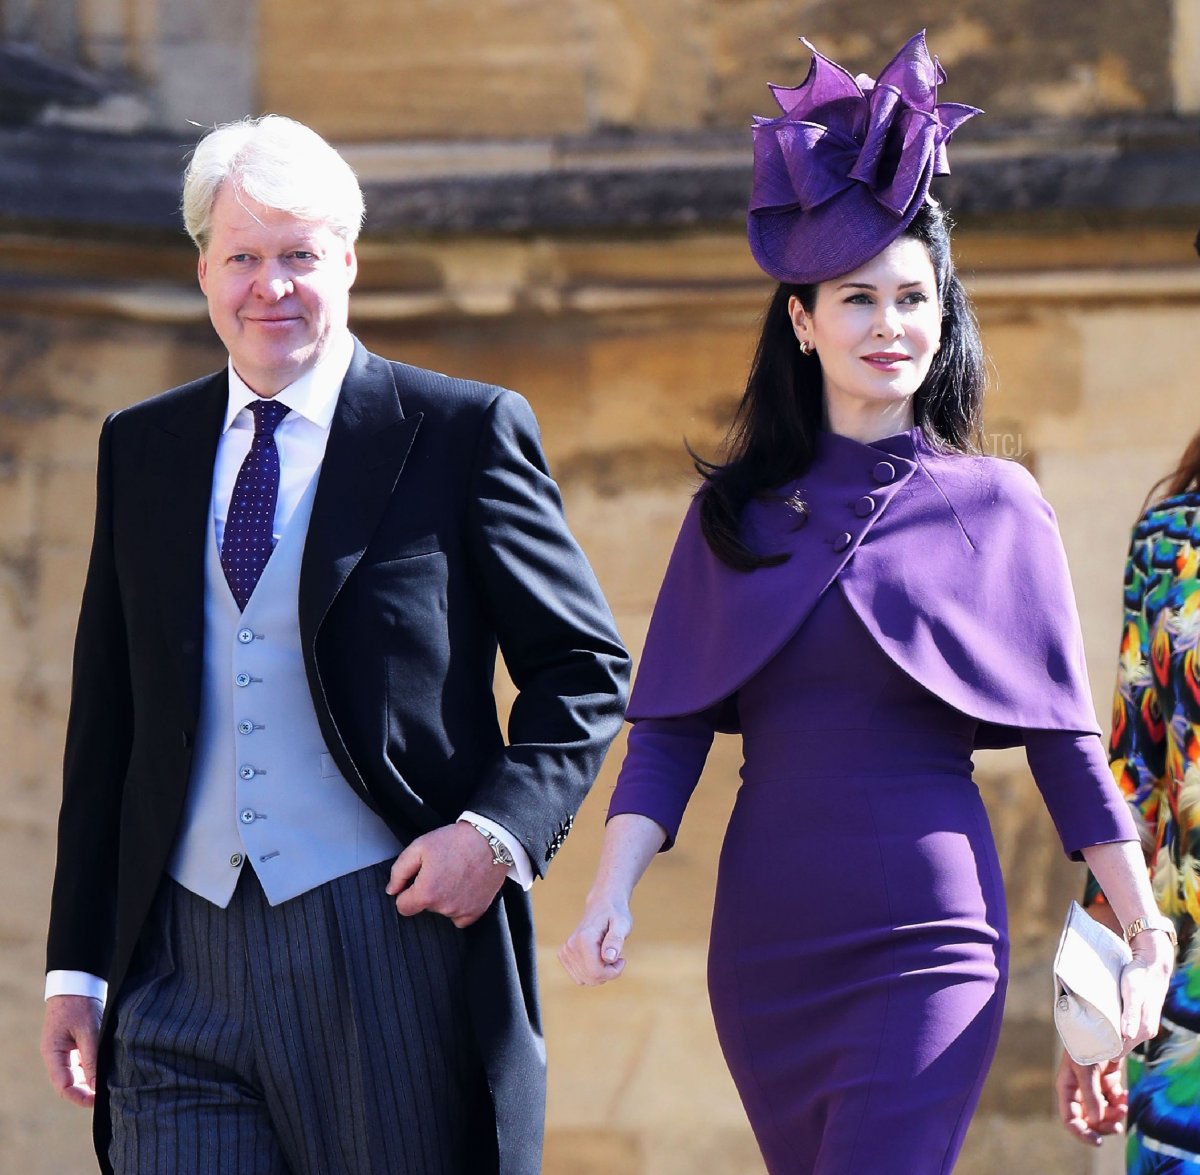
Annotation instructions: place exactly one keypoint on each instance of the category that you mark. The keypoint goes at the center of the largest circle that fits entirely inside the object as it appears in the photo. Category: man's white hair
(279, 163)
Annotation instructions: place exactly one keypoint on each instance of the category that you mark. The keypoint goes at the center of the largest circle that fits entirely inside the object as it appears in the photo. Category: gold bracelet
(1164, 924)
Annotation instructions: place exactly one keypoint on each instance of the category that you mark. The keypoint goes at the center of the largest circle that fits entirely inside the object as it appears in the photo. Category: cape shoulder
(953, 563)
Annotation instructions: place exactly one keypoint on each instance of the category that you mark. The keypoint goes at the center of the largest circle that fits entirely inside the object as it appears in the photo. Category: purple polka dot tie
(249, 537)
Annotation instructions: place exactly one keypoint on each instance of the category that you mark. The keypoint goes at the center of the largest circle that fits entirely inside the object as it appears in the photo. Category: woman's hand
(1144, 986)
(592, 954)
(1092, 1099)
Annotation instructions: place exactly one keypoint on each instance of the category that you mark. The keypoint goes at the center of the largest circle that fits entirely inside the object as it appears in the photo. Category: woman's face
(875, 332)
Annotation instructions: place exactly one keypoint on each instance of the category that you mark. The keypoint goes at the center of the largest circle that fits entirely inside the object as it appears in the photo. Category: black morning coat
(436, 535)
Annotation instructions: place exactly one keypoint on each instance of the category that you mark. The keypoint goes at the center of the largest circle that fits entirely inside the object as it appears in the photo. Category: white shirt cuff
(76, 983)
(521, 871)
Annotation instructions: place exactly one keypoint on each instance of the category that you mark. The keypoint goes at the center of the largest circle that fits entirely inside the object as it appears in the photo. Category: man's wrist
(75, 983)
(501, 854)
(522, 870)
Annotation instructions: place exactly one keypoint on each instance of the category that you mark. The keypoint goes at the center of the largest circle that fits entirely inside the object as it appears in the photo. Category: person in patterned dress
(1154, 752)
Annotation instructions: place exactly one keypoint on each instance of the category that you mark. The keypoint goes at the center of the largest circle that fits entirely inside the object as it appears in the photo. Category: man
(294, 844)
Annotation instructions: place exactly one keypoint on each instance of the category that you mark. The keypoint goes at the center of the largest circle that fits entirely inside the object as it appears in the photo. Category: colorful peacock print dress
(1154, 750)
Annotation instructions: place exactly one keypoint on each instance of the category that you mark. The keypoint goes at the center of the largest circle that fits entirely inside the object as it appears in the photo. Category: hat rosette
(841, 173)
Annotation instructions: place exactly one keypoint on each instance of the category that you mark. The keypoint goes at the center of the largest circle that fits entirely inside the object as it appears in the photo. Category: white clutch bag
(1087, 988)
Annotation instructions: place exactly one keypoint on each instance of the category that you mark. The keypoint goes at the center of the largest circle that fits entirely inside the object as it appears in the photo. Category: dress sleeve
(662, 765)
(1085, 804)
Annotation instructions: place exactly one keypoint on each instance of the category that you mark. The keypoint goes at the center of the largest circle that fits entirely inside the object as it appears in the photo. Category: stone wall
(624, 347)
(455, 69)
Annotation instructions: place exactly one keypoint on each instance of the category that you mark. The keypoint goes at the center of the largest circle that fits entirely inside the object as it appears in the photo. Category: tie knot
(267, 415)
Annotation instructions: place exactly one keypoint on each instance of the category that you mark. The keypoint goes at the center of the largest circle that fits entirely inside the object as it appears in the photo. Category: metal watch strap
(501, 855)
(1164, 924)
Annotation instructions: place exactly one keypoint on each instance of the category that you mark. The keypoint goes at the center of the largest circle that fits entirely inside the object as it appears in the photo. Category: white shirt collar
(314, 395)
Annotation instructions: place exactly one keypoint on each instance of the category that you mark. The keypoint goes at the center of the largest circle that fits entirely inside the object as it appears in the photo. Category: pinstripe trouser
(320, 1036)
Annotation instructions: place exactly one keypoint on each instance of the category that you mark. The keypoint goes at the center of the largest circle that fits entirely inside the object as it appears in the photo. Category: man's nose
(273, 283)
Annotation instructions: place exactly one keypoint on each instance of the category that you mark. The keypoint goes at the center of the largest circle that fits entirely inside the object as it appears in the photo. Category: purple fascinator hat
(843, 171)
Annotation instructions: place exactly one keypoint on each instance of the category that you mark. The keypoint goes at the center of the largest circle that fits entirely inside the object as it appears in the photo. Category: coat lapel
(179, 467)
(369, 441)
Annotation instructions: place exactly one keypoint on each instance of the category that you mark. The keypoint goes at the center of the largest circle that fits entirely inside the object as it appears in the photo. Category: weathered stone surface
(1024, 58)
(1030, 172)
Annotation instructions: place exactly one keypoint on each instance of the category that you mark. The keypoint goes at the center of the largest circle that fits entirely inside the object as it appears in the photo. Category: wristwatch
(500, 851)
(1139, 924)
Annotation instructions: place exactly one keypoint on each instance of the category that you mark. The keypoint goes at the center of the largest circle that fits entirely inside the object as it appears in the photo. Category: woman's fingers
(592, 953)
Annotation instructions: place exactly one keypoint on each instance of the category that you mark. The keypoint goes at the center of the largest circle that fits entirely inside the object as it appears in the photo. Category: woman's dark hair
(774, 433)
(1185, 478)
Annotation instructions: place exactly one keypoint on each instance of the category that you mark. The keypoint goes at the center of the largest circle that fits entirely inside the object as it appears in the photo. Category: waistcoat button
(247, 772)
(242, 680)
(247, 816)
(245, 727)
(245, 635)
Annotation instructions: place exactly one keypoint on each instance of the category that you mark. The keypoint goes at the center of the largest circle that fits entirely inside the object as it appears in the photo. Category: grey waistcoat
(264, 789)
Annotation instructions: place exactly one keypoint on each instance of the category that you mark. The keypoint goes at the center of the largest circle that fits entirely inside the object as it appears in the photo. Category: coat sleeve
(99, 737)
(555, 632)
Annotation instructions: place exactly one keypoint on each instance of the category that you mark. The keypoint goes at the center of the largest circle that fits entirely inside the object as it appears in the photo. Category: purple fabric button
(864, 506)
(842, 541)
(884, 472)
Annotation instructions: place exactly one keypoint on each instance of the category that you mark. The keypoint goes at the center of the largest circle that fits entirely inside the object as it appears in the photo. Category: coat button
(842, 541)
(247, 816)
(247, 772)
(864, 506)
(242, 680)
(245, 635)
(245, 727)
(235, 860)
(884, 472)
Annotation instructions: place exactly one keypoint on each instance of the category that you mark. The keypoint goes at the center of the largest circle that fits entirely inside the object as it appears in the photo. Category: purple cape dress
(858, 955)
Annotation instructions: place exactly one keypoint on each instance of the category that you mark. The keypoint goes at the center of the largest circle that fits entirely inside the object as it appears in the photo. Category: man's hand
(70, 1036)
(448, 871)
(1092, 1100)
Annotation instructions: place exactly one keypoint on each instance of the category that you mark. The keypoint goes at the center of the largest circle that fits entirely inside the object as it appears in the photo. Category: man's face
(278, 289)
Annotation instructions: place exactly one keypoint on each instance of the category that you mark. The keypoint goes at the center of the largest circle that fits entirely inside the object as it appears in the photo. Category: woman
(1154, 750)
(865, 600)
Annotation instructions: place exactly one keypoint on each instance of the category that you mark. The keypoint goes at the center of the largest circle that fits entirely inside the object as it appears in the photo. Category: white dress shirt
(300, 439)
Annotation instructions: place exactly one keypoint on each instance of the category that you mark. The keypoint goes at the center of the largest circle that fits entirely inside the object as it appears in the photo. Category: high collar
(835, 447)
